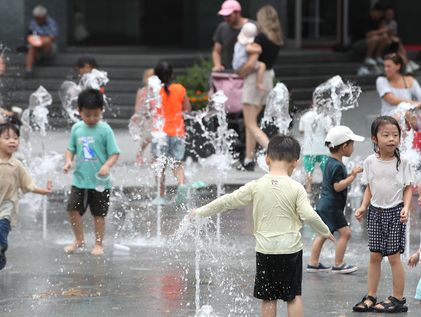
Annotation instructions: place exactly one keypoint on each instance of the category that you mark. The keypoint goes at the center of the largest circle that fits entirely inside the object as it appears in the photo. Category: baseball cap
(341, 134)
(247, 33)
(39, 11)
(228, 7)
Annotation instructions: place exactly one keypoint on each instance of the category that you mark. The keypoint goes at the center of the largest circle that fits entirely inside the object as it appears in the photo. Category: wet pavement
(146, 272)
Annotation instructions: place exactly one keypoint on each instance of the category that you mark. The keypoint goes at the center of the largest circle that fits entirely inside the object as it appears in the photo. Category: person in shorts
(330, 207)
(93, 146)
(169, 130)
(280, 206)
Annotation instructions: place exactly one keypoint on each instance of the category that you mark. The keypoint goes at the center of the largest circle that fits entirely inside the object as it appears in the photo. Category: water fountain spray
(37, 115)
(335, 96)
(277, 109)
(69, 91)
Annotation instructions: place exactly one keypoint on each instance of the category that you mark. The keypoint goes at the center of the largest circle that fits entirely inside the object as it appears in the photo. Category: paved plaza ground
(146, 272)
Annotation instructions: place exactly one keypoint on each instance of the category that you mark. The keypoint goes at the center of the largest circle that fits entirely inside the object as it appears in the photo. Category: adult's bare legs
(250, 114)
(30, 58)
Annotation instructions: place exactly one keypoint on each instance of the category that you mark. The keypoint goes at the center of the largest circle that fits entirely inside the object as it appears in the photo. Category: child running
(13, 176)
(93, 144)
(340, 141)
(174, 102)
(388, 177)
(280, 206)
(245, 46)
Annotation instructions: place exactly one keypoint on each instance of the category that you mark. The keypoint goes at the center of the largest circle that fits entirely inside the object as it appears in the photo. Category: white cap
(247, 33)
(341, 134)
(39, 11)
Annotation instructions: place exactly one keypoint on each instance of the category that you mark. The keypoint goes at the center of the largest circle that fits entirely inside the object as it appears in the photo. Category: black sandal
(393, 305)
(362, 307)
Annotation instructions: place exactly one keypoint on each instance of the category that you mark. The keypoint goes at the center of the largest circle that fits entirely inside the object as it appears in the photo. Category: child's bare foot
(260, 86)
(97, 250)
(72, 248)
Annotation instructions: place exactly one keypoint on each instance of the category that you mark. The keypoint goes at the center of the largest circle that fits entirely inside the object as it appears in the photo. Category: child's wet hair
(4, 127)
(283, 148)
(164, 72)
(375, 126)
(90, 99)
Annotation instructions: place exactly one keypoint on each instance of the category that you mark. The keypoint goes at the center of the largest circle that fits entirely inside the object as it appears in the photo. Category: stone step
(149, 59)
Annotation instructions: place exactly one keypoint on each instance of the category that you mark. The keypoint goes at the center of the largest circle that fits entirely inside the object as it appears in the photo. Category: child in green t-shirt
(93, 145)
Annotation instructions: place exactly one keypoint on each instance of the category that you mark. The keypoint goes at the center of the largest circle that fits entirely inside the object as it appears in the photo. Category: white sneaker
(370, 61)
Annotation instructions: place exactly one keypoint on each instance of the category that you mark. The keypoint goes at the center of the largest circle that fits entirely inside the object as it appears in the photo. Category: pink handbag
(232, 86)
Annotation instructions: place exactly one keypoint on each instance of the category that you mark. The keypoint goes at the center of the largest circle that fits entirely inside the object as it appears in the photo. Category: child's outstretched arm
(359, 213)
(239, 198)
(105, 169)
(68, 157)
(340, 186)
(44, 191)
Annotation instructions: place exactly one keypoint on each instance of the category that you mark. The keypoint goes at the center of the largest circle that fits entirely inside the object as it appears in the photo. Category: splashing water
(334, 96)
(95, 79)
(43, 168)
(141, 122)
(277, 109)
(68, 93)
(38, 103)
(220, 139)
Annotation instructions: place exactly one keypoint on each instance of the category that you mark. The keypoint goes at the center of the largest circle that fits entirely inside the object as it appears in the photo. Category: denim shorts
(171, 147)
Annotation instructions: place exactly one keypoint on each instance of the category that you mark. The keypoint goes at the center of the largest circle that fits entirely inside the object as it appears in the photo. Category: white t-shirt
(386, 183)
(409, 93)
(315, 127)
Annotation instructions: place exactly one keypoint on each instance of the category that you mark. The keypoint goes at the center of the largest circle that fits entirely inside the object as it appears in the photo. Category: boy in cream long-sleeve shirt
(280, 206)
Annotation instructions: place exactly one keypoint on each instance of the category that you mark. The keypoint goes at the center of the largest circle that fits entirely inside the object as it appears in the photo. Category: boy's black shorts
(278, 276)
(81, 198)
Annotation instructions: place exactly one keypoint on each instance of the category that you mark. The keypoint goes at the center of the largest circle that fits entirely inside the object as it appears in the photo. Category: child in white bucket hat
(244, 47)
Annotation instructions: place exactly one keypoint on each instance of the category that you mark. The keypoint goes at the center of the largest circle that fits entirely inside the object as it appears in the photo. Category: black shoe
(249, 166)
(28, 74)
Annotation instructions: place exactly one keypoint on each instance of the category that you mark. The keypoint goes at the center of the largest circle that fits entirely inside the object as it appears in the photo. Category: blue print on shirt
(88, 153)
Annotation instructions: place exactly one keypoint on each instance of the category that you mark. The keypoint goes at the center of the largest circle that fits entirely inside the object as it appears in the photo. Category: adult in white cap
(226, 34)
(43, 32)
